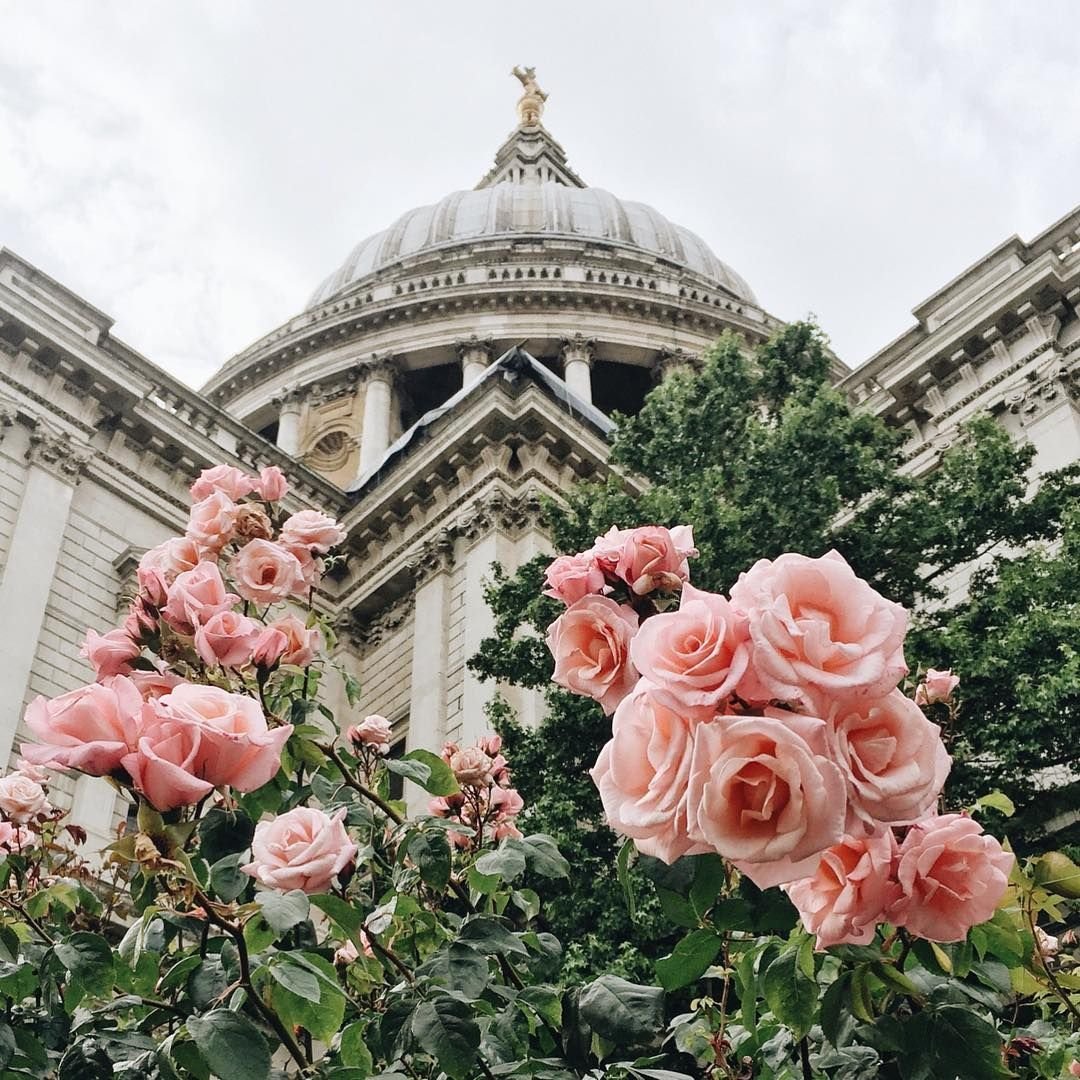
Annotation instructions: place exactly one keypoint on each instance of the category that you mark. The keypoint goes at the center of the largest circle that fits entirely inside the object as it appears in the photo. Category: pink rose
(570, 577)
(642, 775)
(373, 730)
(936, 686)
(1074, 1068)
(302, 849)
(15, 838)
(607, 550)
(816, 627)
(952, 877)
(141, 623)
(111, 653)
(237, 748)
(269, 647)
(763, 793)
(212, 522)
(195, 596)
(591, 645)
(265, 572)
(227, 638)
(164, 764)
(848, 895)
(310, 567)
(312, 529)
(272, 484)
(21, 798)
(301, 641)
(159, 567)
(650, 561)
(892, 756)
(471, 767)
(154, 684)
(694, 656)
(31, 771)
(227, 479)
(89, 729)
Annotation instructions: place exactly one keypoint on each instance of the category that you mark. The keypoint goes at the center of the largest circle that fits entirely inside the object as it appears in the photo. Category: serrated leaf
(341, 911)
(623, 1012)
(689, 960)
(89, 959)
(445, 1029)
(282, 911)
(544, 857)
(353, 1049)
(490, 936)
(791, 996)
(297, 980)
(440, 779)
(507, 861)
(997, 800)
(224, 832)
(323, 1017)
(231, 1045)
(430, 850)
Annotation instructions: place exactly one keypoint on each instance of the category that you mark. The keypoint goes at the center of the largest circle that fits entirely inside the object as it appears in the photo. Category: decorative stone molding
(126, 565)
(512, 514)
(579, 348)
(475, 348)
(57, 454)
(291, 397)
(8, 416)
(669, 361)
(368, 631)
(1044, 393)
(435, 556)
(385, 368)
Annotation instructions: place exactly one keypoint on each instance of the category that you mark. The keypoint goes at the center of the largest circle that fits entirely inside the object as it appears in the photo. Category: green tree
(762, 455)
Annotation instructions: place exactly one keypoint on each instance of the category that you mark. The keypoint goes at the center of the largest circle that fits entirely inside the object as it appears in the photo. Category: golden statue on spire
(530, 105)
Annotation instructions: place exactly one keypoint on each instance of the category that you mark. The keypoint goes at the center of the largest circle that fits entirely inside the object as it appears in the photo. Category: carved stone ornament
(369, 631)
(435, 556)
(57, 454)
(475, 348)
(578, 347)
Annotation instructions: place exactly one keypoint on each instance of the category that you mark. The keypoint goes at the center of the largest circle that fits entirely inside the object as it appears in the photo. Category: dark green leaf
(690, 959)
(789, 993)
(440, 779)
(490, 936)
(445, 1029)
(430, 850)
(951, 1041)
(622, 869)
(89, 958)
(224, 832)
(227, 879)
(354, 1050)
(837, 1023)
(507, 861)
(341, 911)
(283, 911)
(544, 857)
(231, 1045)
(297, 980)
(460, 968)
(623, 1012)
(85, 1060)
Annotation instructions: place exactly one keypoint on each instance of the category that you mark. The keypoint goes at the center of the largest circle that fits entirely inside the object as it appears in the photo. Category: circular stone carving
(331, 452)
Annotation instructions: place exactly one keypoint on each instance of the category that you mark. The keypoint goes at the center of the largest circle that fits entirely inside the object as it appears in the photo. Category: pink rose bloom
(269, 647)
(195, 596)
(89, 729)
(165, 763)
(694, 656)
(312, 529)
(31, 771)
(763, 793)
(141, 621)
(266, 572)
(111, 653)
(650, 561)
(303, 849)
(591, 645)
(21, 798)
(892, 756)
(952, 877)
(237, 749)
(373, 730)
(570, 577)
(853, 887)
(227, 479)
(310, 567)
(1074, 1068)
(816, 627)
(160, 566)
(936, 686)
(643, 773)
(301, 641)
(227, 638)
(272, 484)
(15, 838)
(154, 684)
(507, 802)
(490, 744)
(212, 522)
(471, 767)
(607, 550)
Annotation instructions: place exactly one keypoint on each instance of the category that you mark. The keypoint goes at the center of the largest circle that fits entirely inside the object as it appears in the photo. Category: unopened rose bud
(346, 955)
(272, 484)
(252, 523)
(936, 686)
(373, 730)
(269, 647)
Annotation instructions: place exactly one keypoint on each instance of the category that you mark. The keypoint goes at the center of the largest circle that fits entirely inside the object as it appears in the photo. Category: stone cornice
(56, 453)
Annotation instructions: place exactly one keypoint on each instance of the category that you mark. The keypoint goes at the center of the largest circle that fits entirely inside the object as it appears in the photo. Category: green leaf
(440, 779)
(544, 857)
(460, 968)
(231, 1045)
(322, 1017)
(1058, 873)
(950, 1041)
(89, 958)
(354, 1050)
(18, 981)
(709, 878)
(490, 936)
(341, 911)
(623, 1012)
(445, 1029)
(430, 850)
(297, 980)
(227, 879)
(689, 960)
(84, 1060)
(507, 861)
(999, 801)
(224, 832)
(545, 1002)
(282, 911)
(622, 869)
(837, 1023)
(789, 993)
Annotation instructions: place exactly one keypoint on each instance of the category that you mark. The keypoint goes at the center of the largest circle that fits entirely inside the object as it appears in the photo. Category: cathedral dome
(545, 210)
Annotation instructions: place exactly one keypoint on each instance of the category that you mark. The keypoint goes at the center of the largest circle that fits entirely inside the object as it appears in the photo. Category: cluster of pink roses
(24, 801)
(175, 741)
(767, 726)
(486, 805)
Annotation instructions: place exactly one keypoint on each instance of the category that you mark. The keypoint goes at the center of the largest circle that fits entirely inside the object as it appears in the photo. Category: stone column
(54, 471)
(475, 357)
(671, 361)
(577, 358)
(378, 401)
(289, 406)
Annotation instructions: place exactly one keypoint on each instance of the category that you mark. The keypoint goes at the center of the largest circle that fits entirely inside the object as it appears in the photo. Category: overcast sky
(196, 169)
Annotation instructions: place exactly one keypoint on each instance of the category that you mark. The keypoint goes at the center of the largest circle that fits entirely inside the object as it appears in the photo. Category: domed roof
(548, 209)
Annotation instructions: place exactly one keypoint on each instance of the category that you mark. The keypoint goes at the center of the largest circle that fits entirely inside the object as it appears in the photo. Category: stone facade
(403, 401)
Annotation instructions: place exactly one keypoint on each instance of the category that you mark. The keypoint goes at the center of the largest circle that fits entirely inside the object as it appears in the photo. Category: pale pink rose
(312, 529)
(272, 484)
(212, 522)
(265, 572)
(507, 802)
(310, 567)
(301, 641)
(853, 888)
(302, 849)
(682, 536)
(892, 756)
(227, 479)
(269, 647)
(952, 877)
(111, 653)
(650, 561)
(15, 838)
(763, 793)
(141, 623)
(227, 638)
(570, 577)
(154, 684)
(697, 655)
(591, 645)
(936, 686)
(643, 772)
(159, 567)
(21, 798)
(816, 627)
(195, 596)
(89, 729)
(471, 767)
(237, 749)
(31, 771)
(504, 830)
(1048, 945)
(1074, 1068)
(607, 550)
(348, 953)
(165, 762)
(490, 744)
(373, 730)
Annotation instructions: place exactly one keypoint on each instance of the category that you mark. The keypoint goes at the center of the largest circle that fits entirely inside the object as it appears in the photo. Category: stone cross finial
(530, 105)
